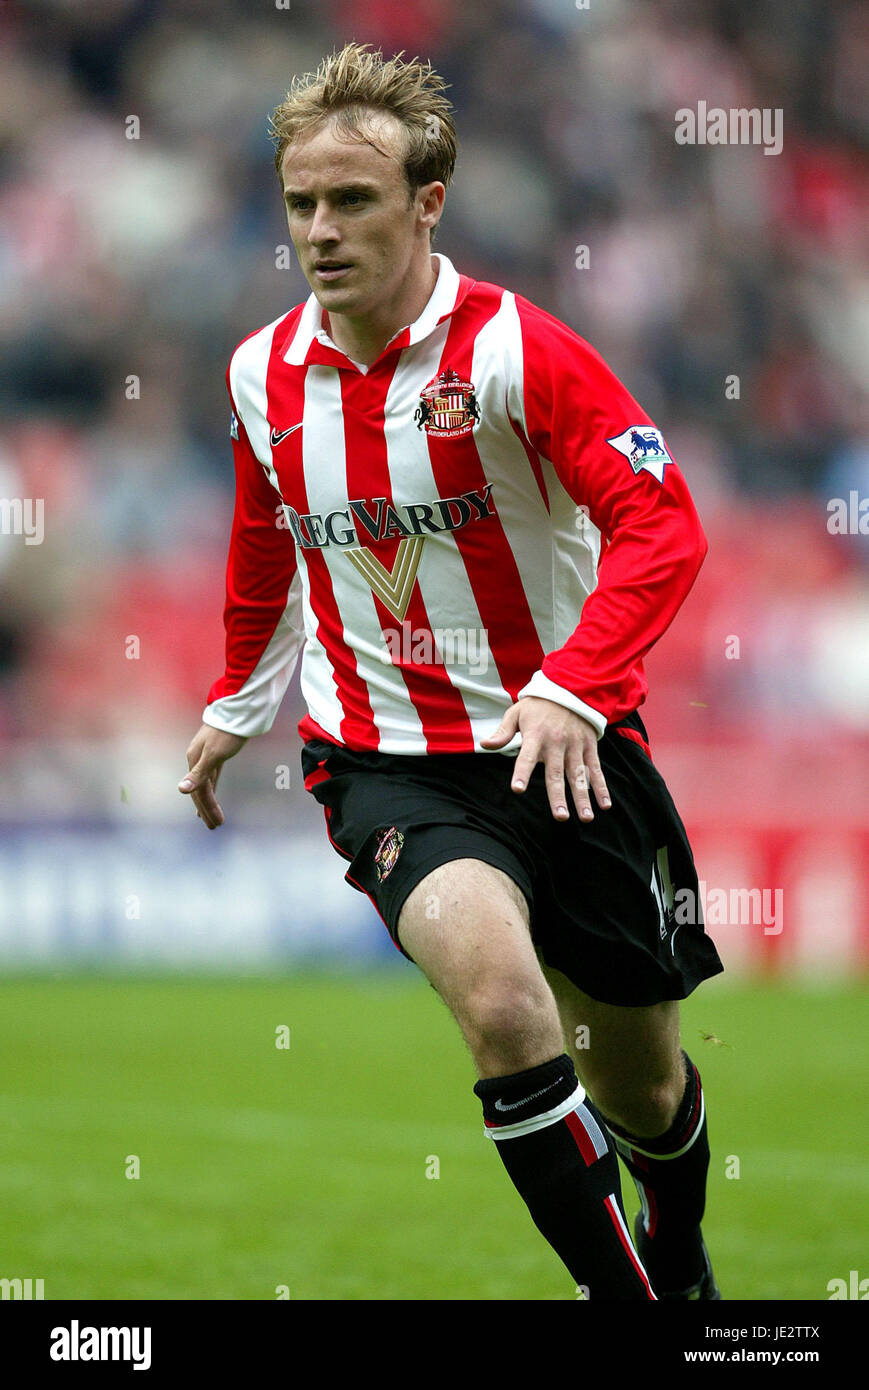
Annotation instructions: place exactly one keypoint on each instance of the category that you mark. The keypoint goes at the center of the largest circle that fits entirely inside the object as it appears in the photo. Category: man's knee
(514, 1020)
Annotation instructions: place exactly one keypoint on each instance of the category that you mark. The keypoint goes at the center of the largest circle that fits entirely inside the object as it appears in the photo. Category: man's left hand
(565, 743)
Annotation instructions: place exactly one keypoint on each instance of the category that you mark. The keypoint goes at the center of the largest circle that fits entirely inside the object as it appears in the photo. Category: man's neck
(363, 339)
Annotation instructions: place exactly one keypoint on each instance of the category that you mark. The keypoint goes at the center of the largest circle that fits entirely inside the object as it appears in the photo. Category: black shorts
(614, 903)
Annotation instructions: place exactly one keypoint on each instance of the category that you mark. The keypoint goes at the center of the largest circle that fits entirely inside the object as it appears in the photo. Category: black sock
(669, 1173)
(555, 1147)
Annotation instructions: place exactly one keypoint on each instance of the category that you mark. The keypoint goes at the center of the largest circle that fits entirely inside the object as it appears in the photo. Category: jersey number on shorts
(662, 888)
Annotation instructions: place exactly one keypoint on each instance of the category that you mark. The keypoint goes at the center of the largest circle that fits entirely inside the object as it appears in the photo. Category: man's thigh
(466, 926)
(464, 922)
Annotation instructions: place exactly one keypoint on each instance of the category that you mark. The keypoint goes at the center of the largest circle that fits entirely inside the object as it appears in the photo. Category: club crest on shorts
(389, 845)
(447, 407)
(643, 446)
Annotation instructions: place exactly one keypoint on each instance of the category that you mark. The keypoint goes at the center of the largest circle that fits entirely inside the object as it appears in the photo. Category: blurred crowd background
(151, 257)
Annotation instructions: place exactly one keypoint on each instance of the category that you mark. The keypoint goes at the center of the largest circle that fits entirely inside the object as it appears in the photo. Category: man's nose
(323, 228)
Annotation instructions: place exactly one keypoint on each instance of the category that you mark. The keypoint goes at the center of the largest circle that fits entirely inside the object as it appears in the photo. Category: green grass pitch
(312, 1166)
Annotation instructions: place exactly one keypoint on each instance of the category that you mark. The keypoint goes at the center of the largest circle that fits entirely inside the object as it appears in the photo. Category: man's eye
(354, 198)
(299, 204)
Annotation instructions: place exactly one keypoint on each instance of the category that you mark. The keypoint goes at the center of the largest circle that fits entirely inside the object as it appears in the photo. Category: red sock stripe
(615, 1218)
(583, 1139)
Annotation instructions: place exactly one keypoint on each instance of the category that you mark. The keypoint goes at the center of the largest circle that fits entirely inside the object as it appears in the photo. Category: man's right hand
(210, 749)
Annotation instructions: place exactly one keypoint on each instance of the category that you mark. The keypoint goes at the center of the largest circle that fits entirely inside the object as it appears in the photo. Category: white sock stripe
(627, 1146)
(550, 1117)
(593, 1130)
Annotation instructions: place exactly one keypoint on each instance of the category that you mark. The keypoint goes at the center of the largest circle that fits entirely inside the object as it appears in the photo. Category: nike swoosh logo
(499, 1104)
(278, 435)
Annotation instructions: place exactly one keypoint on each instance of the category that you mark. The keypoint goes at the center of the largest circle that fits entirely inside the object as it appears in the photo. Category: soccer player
(448, 502)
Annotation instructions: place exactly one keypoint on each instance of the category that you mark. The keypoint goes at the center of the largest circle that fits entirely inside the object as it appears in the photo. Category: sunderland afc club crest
(389, 844)
(643, 446)
(447, 407)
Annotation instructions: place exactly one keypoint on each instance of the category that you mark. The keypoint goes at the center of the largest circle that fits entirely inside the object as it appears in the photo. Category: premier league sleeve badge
(643, 447)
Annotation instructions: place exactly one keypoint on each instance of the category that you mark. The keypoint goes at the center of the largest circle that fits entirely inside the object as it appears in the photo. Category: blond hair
(351, 84)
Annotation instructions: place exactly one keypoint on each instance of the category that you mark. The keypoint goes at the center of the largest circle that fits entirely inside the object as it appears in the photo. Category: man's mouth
(331, 270)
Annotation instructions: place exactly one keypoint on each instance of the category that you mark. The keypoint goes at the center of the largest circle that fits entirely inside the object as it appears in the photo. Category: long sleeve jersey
(483, 513)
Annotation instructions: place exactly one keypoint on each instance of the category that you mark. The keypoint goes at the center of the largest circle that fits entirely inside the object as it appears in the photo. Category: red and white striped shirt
(483, 512)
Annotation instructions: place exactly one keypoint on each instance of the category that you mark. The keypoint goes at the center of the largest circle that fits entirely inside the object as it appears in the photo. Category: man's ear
(430, 200)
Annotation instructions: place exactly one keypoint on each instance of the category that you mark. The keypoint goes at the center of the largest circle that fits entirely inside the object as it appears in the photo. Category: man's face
(353, 221)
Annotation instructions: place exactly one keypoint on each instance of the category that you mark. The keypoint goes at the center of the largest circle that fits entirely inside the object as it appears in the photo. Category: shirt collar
(310, 344)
